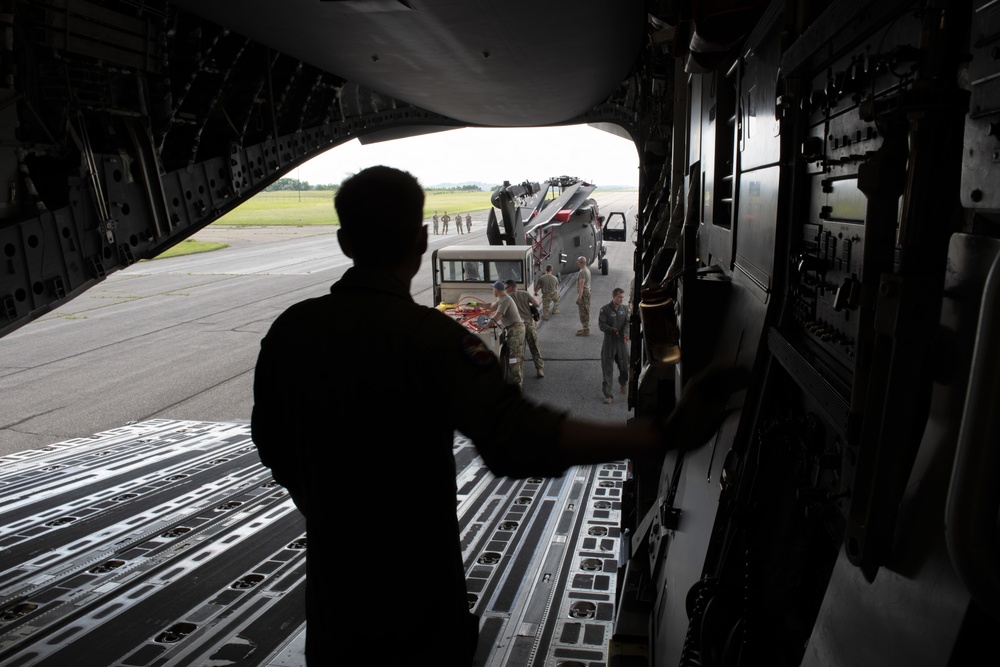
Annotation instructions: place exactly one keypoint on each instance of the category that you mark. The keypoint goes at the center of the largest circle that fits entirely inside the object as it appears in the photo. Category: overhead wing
(572, 197)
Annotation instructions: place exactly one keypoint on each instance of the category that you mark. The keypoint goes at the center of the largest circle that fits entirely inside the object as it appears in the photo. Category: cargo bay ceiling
(130, 125)
(517, 63)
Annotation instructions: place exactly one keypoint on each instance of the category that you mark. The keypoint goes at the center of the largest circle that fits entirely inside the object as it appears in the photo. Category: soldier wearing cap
(505, 312)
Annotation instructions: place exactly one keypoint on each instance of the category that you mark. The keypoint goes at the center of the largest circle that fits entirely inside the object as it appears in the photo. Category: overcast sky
(488, 155)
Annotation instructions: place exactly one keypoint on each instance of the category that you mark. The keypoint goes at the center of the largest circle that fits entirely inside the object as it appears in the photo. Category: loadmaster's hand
(703, 407)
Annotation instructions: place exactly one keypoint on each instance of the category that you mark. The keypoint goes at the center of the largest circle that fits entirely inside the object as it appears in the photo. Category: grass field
(455, 202)
(315, 207)
(284, 207)
(190, 247)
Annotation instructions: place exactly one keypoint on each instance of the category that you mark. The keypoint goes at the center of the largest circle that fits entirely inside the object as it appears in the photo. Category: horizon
(511, 154)
(483, 186)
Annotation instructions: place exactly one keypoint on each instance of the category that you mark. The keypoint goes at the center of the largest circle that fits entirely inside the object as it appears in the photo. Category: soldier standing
(613, 321)
(444, 222)
(524, 303)
(435, 219)
(549, 285)
(583, 296)
(458, 222)
(504, 310)
(468, 223)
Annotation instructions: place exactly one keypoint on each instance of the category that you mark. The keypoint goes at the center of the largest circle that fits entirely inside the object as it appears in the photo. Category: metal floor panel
(166, 543)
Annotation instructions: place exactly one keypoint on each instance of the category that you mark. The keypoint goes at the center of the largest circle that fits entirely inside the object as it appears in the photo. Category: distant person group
(517, 311)
(442, 221)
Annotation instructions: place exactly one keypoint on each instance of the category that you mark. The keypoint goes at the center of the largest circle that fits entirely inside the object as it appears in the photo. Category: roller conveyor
(168, 543)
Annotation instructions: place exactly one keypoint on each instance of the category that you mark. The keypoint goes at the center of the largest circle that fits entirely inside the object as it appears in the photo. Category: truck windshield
(456, 270)
(507, 270)
(481, 271)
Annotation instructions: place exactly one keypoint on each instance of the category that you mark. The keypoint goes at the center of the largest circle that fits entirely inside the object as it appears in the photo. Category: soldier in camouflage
(549, 286)
(583, 296)
(524, 303)
(505, 312)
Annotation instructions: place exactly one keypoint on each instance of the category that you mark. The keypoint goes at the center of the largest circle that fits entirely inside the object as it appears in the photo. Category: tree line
(297, 185)
(459, 188)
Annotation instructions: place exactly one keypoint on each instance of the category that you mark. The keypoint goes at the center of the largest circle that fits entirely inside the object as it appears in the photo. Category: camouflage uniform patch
(531, 341)
(515, 343)
(585, 310)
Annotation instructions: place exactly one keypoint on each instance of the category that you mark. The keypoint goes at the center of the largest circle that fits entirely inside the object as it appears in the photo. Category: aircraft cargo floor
(167, 543)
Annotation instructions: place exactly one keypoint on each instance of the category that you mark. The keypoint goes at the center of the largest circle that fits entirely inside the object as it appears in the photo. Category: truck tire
(604, 266)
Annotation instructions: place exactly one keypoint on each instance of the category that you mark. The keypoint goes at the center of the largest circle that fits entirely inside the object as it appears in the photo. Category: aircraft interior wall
(831, 257)
(130, 131)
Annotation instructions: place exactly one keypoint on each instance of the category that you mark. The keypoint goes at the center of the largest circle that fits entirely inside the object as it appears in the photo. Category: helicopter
(553, 217)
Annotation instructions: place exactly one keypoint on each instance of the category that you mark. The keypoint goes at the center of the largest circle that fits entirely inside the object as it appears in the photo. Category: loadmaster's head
(381, 212)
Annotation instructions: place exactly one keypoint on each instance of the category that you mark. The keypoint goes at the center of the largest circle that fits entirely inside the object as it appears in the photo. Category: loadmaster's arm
(700, 412)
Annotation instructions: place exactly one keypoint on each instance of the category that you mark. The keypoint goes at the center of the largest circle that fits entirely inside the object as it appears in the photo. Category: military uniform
(523, 301)
(584, 301)
(444, 222)
(321, 379)
(549, 285)
(512, 322)
(458, 222)
(435, 219)
(613, 321)
(468, 223)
